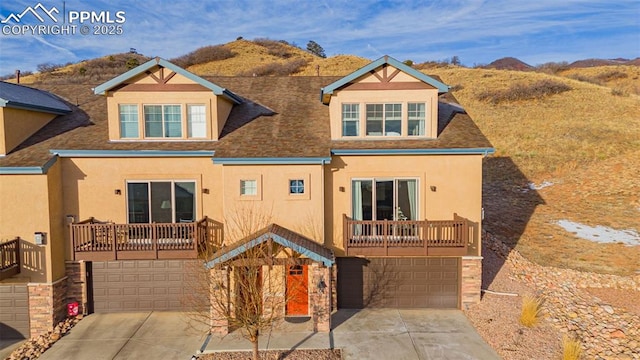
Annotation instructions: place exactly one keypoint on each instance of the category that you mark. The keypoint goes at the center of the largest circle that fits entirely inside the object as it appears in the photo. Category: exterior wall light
(321, 286)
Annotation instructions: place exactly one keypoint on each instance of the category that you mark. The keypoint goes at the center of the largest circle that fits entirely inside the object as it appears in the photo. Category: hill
(509, 63)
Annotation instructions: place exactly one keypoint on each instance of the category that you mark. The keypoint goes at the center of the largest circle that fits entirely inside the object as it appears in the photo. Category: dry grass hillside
(584, 141)
(622, 79)
(578, 130)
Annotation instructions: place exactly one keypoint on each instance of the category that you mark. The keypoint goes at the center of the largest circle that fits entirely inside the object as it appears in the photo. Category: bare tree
(246, 290)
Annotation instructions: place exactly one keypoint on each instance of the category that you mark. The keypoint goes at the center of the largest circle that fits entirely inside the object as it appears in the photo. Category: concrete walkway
(377, 334)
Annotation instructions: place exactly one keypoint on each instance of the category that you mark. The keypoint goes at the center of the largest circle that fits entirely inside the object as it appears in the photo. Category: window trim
(297, 186)
(173, 196)
(206, 126)
(424, 119)
(357, 119)
(244, 181)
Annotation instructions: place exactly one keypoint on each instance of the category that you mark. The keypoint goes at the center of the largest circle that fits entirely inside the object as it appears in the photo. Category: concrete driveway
(140, 335)
(361, 334)
(421, 334)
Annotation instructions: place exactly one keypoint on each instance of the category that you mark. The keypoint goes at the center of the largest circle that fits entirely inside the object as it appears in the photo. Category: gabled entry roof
(283, 236)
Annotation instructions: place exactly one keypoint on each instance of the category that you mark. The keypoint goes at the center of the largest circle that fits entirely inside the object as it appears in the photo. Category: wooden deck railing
(9, 258)
(98, 241)
(407, 237)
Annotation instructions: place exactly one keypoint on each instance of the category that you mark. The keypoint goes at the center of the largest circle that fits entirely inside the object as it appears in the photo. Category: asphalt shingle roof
(18, 96)
(279, 117)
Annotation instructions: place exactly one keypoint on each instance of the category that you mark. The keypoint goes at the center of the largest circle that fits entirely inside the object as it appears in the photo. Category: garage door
(14, 311)
(398, 282)
(139, 285)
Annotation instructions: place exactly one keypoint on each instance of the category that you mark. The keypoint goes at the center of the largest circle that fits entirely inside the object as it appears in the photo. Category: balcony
(408, 237)
(9, 258)
(98, 241)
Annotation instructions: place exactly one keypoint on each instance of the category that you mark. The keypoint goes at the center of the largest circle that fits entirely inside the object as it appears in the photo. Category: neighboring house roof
(26, 98)
(280, 235)
(327, 91)
(279, 117)
(103, 88)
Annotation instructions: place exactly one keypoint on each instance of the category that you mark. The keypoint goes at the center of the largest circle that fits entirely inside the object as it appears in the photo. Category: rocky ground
(34, 347)
(277, 355)
(601, 311)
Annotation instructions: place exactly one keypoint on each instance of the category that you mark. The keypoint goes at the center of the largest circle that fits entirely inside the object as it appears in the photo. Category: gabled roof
(26, 98)
(103, 88)
(327, 91)
(283, 236)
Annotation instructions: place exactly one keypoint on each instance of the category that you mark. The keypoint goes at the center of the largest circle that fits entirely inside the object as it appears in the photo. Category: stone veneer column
(471, 280)
(77, 284)
(320, 299)
(219, 322)
(47, 305)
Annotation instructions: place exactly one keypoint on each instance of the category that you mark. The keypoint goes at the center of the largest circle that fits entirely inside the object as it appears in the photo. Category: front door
(297, 290)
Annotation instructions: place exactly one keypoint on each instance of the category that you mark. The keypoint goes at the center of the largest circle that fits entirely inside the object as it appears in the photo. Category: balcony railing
(97, 241)
(9, 258)
(408, 237)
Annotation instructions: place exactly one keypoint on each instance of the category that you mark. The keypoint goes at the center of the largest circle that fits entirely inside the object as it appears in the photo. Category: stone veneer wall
(471, 280)
(76, 284)
(47, 305)
(320, 300)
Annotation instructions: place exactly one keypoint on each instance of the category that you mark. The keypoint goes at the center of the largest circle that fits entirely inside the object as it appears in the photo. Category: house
(371, 185)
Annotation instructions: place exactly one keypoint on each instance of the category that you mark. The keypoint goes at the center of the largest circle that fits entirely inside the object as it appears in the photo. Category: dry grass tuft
(203, 55)
(531, 310)
(277, 69)
(524, 91)
(571, 349)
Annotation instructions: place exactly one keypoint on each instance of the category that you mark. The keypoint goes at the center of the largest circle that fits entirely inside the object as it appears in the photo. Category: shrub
(612, 75)
(277, 69)
(553, 67)
(531, 310)
(47, 67)
(618, 92)
(204, 54)
(571, 349)
(537, 90)
(408, 62)
(275, 48)
(132, 63)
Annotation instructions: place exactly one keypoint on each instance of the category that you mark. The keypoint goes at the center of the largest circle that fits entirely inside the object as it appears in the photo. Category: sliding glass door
(161, 201)
(384, 199)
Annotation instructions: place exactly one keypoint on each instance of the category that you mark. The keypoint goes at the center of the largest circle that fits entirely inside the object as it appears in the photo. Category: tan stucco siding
(457, 180)
(16, 125)
(363, 97)
(25, 211)
(90, 184)
(57, 237)
(302, 213)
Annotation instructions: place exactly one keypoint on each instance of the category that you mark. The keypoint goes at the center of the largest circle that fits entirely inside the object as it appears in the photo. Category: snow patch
(544, 184)
(601, 234)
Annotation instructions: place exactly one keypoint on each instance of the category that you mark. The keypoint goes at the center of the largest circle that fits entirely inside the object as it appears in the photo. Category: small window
(196, 121)
(296, 186)
(128, 121)
(248, 187)
(350, 119)
(416, 119)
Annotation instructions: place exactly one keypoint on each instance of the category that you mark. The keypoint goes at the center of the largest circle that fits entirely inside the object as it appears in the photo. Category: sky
(476, 31)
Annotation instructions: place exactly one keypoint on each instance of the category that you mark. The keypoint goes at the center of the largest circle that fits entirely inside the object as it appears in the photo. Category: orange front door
(297, 290)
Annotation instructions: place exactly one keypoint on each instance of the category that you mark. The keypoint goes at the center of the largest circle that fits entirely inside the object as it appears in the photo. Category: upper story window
(128, 115)
(416, 119)
(249, 187)
(296, 186)
(384, 119)
(196, 121)
(350, 119)
(162, 121)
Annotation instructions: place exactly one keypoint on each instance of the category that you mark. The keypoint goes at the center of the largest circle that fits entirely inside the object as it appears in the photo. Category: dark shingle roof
(279, 117)
(22, 97)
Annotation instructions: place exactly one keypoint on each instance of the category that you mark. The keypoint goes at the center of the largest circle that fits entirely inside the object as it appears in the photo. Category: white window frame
(395, 193)
(384, 132)
(201, 123)
(415, 118)
(121, 121)
(162, 116)
(291, 186)
(243, 187)
(351, 119)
